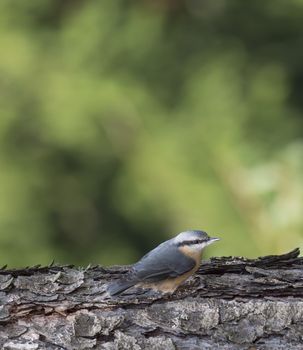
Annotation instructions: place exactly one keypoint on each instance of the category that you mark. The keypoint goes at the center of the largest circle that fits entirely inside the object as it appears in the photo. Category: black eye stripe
(196, 241)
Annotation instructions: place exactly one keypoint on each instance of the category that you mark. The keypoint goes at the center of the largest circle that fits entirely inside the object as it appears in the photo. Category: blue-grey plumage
(168, 265)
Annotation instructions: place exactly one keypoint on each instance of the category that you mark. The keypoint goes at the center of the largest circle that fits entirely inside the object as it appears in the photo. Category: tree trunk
(231, 303)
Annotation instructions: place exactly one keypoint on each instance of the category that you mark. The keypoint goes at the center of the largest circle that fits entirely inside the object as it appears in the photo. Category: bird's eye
(197, 241)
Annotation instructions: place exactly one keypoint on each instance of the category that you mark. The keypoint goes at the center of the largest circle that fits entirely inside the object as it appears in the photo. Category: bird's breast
(195, 255)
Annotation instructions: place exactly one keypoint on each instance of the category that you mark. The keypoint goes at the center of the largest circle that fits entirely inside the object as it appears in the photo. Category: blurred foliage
(123, 123)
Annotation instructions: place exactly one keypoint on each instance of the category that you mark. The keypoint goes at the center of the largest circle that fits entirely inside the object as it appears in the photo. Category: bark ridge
(231, 303)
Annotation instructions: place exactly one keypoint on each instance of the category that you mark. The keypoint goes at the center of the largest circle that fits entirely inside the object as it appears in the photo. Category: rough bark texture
(231, 303)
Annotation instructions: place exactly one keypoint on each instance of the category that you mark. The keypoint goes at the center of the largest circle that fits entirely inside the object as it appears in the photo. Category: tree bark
(231, 303)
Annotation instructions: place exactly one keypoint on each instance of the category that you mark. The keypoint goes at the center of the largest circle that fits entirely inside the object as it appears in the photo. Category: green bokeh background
(125, 122)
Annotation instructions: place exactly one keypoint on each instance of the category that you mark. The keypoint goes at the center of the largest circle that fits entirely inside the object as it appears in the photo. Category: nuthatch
(168, 265)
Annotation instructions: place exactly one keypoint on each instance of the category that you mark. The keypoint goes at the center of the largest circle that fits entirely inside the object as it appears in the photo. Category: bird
(167, 266)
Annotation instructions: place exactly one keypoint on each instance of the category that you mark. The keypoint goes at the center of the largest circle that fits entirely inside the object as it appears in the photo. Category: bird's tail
(119, 287)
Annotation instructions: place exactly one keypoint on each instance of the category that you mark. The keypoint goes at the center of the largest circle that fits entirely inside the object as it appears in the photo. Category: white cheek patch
(200, 246)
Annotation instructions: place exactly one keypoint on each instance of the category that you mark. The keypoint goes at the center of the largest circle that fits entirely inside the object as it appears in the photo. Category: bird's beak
(213, 239)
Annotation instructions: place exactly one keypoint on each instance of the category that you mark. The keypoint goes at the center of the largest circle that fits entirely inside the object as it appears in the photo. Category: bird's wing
(161, 263)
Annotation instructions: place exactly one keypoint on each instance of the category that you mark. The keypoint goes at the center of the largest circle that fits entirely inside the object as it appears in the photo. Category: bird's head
(193, 240)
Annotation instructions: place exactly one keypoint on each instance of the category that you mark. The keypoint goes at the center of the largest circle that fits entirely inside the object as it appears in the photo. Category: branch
(231, 303)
